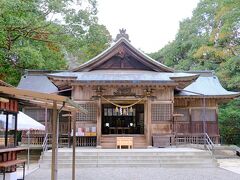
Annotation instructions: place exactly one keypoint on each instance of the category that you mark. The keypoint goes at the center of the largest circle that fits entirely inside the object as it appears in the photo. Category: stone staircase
(167, 157)
(109, 142)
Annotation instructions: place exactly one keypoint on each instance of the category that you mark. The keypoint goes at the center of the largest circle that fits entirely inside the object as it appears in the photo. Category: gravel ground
(138, 174)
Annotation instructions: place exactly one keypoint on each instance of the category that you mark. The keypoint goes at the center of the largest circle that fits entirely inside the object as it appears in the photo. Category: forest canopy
(209, 40)
(48, 34)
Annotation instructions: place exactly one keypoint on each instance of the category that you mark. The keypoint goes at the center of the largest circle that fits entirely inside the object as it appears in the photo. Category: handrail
(209, 145)
(45, 143)
(201, 138)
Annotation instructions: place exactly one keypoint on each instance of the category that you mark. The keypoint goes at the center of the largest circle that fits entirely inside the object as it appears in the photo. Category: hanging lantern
(131, 109)
(120, 111)
(124, 112)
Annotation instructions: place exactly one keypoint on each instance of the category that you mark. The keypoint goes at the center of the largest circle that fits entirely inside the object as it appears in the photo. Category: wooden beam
(27, 93)
(43, 97)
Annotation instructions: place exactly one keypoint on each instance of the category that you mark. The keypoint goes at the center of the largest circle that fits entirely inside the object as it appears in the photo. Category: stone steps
(131, 158)
(148, 165)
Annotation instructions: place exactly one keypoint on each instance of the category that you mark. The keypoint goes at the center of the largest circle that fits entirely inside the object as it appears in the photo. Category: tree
(31, 37)
(229, 122)
(210, 39)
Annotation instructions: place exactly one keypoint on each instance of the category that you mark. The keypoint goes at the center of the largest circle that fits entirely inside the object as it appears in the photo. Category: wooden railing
(82, 141)
(64, 140)
(10, 141)
(194, 139)
(34, 139)
(183, 139)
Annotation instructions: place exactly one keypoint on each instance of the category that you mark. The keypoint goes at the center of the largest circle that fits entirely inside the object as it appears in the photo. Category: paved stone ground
(138, 174)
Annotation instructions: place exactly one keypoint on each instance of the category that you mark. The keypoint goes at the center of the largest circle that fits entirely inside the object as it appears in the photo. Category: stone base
(98, 147)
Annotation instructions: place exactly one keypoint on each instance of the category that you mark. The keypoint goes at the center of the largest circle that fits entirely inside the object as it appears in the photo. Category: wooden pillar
(15, 130)
(6, 132)
(190, 121)
(99, 121)
(74, 145)
(69, 130)
(149, 122)
(146, 121)
(172, 121)
(217, 127)
(46, 120)
(54, 140)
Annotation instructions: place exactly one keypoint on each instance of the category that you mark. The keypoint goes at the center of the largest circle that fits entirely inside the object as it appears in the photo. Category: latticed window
(91, 115)
(161, 112)
(198, 115)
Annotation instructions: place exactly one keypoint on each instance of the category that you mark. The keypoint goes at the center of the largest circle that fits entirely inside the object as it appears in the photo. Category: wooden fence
(64, 140)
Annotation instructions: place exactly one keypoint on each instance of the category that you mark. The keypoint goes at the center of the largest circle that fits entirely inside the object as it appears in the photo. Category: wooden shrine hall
(129, 94)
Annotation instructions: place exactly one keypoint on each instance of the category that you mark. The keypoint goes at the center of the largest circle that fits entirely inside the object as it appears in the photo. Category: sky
(150, 24)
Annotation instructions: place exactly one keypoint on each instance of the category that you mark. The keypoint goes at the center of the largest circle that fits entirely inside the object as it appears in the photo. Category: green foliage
(31, 38)
(229, 122)
(208, 40)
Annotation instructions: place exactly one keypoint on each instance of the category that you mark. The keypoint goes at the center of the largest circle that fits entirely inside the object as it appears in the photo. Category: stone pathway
(230, 164)
(138, 174)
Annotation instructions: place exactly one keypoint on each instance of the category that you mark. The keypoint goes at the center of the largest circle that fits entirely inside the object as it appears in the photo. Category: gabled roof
(208, 85)
(37, 81)
(116, 49)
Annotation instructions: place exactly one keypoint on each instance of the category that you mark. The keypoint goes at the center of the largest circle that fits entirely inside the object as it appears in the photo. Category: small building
(8, 119)
(127, 93)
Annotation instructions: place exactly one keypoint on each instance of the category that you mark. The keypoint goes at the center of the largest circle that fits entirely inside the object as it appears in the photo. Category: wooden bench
(13, 163)
(162, 140)
(124, 141)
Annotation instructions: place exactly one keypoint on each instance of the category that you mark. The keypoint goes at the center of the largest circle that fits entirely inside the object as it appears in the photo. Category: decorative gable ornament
(122, 33)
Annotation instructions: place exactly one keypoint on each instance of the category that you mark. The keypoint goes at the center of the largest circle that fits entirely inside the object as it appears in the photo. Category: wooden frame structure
(55, 102)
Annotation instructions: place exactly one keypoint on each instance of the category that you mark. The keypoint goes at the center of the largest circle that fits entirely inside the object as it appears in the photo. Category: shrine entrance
(122, 122)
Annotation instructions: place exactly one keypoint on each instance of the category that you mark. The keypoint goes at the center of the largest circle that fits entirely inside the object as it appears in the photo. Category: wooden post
(15, 130)
(6, 132)
(217, 129)
(46, 120)
(204, 120)
(74, 145)
(145, 121)
(69, 130)
(54, 140)
(190, 121)
(99, 121)
(149, 122)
